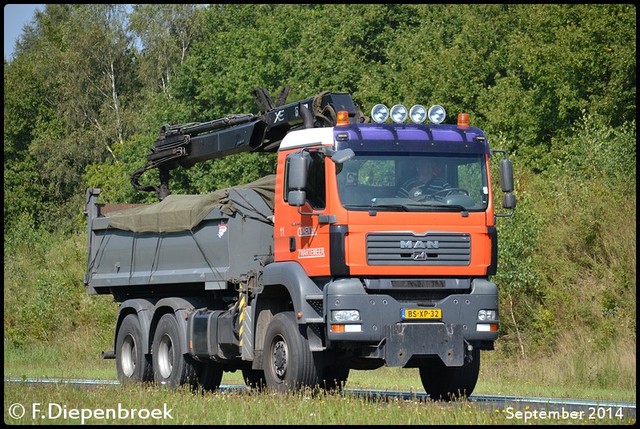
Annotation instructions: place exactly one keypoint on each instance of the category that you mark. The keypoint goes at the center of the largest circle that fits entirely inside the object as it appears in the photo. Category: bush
(44, 296)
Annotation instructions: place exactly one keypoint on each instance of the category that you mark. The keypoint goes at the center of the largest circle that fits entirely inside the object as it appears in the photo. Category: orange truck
(325, 266)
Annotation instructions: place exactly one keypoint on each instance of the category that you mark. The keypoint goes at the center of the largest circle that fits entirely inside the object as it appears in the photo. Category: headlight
(345, 315)
(487, 315)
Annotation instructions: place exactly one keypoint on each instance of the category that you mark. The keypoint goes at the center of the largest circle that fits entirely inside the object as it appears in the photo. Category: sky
(15, 17)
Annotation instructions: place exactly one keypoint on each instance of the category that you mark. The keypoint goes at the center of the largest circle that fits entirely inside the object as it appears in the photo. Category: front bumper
(382, 330)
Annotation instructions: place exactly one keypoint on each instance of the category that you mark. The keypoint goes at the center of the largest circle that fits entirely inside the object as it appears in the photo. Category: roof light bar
(418, 114)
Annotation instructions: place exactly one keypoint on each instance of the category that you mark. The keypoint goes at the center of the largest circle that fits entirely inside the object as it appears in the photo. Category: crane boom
(184, 145)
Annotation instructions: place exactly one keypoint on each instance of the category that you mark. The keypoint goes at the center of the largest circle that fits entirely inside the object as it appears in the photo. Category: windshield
(414, 182)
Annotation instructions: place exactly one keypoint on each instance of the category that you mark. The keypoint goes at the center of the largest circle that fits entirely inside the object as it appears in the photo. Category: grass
(79, 357)
(66, 404)
(566, 374)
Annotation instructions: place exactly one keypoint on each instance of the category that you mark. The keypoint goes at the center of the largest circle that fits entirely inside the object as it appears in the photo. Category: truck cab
(393, 269)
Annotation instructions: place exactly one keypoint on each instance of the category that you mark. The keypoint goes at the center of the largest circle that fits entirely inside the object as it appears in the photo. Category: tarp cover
(184, 212)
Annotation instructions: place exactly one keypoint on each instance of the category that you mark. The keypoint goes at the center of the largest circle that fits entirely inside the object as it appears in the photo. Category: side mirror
(509, 201)
(297, 173)
(297, 198)
(506, 175)
(298, 170)
(343, 156)
(506, 182)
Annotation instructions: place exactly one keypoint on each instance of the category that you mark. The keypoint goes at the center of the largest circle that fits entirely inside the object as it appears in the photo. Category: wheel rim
(165, 356)
(279, 357)
(128, 356)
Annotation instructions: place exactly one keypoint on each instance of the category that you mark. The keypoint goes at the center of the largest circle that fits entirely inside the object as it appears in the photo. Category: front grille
(407, 284)
(428, 298)
(432, 249)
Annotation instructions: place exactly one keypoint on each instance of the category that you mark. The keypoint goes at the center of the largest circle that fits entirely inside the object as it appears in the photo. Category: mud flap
(409, 339)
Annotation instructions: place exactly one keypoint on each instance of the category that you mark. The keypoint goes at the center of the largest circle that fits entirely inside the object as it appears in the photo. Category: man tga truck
(326, 266)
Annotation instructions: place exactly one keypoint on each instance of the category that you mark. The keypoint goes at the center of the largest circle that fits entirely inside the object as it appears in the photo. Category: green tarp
(184, 212)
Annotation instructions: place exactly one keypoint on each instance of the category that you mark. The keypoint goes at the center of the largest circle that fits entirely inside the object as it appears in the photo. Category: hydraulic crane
(187, 144)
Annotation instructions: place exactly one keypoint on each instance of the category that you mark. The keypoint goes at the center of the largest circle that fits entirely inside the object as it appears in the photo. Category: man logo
(419, 244)
(419, 256)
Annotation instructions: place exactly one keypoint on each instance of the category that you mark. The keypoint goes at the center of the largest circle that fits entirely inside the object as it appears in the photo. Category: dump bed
(204, 241)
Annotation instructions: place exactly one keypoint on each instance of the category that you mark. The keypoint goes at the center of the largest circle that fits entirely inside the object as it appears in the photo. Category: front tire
(132, 365)
(288, 361)
(254, 378)
(171, 368)
(334, 378)
(209, 375)
(448, 383)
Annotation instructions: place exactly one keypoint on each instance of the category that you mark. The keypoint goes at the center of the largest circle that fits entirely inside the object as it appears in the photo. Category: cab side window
(316, 192)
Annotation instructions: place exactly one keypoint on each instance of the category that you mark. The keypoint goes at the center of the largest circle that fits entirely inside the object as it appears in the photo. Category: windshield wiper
(427, 207)
(443, 206)
(407, 207)
(390, 207)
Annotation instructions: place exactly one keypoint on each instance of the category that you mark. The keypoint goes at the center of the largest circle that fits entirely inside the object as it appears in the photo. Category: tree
(80, 61)
(165, 32)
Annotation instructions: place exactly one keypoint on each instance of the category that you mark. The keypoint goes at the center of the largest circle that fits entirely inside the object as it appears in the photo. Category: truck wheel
(450, 382)
(288, 362)
(334, 378)
(254, 378)
(131, 363)
(209, 376)
(171, 368)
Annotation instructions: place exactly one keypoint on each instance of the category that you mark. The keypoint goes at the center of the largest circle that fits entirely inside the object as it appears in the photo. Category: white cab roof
(307, 137)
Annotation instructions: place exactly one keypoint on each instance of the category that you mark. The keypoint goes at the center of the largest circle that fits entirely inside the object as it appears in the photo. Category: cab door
(303, 232)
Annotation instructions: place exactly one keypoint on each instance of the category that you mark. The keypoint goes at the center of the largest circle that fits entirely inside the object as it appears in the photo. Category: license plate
(421, 313)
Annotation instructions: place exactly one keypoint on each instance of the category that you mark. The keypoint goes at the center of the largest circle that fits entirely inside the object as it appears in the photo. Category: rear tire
(288, 361)
(171, 368)
(448, 383)
(132, 365)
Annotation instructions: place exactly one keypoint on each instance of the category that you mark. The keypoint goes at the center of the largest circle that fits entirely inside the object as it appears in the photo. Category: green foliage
(113, 177)
(529, 76)
(44, 296)
(21, 191)
(166, 31)
(236, 170)
(598, 151)
(578, 266)
(520, 287)
(23, 107)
